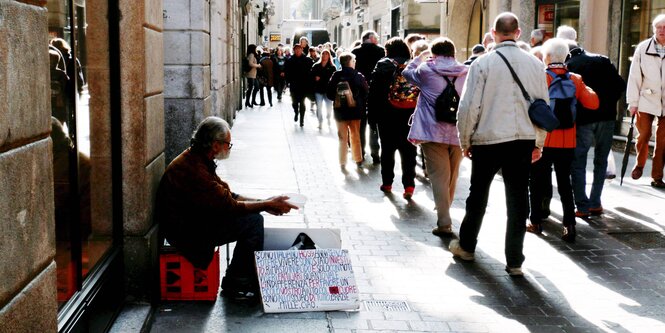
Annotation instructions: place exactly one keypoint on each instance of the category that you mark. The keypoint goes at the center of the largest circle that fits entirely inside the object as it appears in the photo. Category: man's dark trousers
(298, 104)
(247, 232)
(513, 158)
(374, 145)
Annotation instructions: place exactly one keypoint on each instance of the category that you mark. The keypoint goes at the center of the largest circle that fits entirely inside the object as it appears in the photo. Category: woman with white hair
(566, 89)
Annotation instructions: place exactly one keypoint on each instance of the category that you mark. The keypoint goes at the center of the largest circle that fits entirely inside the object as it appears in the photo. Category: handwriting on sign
(307, 280)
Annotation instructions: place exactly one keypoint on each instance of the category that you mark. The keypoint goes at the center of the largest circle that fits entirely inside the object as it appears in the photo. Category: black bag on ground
(445, 106)
(303, 242)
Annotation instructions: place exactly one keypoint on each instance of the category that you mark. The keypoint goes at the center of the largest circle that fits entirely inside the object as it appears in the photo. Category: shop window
(395, 22)
(81, 153)
(636, 27)
(553, 14)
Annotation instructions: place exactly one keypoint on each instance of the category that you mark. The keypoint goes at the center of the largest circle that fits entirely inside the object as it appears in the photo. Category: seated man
(197, 210)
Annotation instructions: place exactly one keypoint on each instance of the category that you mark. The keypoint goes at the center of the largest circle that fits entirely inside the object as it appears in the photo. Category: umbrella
(626, 152)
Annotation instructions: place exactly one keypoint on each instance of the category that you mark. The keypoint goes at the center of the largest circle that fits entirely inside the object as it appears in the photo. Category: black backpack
(445, 107)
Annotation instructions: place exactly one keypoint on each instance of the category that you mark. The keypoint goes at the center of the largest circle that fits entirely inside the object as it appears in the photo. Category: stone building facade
(126, 107)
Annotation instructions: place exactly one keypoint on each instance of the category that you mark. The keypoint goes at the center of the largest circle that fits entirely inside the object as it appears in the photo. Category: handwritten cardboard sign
(307, 280)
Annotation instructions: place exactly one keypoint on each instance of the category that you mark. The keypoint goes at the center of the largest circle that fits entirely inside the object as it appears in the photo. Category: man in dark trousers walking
(367, 55)
(297, 71)
(594, 127)
(496, 133)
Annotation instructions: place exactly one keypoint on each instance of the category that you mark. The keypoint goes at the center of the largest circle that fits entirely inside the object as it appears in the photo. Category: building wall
(201, 71)
(225, 53)
(143, 159)
(186, 70)
(27, 268)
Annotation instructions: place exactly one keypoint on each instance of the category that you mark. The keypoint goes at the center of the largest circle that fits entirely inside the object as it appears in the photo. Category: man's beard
(224, 154)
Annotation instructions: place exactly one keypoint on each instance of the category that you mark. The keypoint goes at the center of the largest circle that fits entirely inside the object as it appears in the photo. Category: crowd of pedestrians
(413, 94)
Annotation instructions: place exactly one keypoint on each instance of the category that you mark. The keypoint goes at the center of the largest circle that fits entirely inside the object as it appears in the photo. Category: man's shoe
(302, 123)
(376, 159)
(295, 118)
(408, 192)
(582, 214)
(459, 252)
(535, 228)
(596, 211)
(245, 297)
(445, 231)
(514, 271)
(569, 234)
(637, 172)
(386, 188)
(658, 184)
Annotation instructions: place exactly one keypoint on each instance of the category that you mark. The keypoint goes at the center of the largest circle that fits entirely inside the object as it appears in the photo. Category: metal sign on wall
(275, 37)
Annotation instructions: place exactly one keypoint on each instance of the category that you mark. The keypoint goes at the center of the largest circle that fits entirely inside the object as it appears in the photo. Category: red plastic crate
(179, 280)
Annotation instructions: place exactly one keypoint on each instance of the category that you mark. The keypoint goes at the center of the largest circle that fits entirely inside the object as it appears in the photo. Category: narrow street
(599, 284)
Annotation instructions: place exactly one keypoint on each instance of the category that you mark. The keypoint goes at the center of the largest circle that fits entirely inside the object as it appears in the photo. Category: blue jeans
(321, 100)
(513, 158)
(599, 135)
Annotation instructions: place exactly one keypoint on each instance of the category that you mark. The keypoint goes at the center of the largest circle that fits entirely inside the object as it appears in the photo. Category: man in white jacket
(496, 134)
(646, 87)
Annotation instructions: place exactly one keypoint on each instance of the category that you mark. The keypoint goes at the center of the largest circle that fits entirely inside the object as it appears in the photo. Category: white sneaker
(459, 252)
(514, 271)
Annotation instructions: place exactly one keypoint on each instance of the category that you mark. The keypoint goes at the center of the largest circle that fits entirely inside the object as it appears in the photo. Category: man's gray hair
(210, 130)
(556, 49)
(367, 35)
(659, 18)
(566, 32)
(538, 35)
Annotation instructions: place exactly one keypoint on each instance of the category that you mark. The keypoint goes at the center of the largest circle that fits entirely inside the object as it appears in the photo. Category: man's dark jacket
(379, 108)
(192, 202)
(599, 73)
(367, 55)
(297, 71)
(359, 88)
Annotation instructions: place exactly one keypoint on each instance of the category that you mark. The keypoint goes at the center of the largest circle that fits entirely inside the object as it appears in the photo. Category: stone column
(187, 94)
(142, 79)
(27, 268)
(224, 67)
(526, 12)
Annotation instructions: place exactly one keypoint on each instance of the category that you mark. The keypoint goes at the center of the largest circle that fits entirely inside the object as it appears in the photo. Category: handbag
(540, 112)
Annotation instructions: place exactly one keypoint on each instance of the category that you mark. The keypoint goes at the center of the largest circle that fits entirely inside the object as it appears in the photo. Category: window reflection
(83, 225)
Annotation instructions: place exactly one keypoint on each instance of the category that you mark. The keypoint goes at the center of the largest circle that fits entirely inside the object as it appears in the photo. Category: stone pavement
(598, 284)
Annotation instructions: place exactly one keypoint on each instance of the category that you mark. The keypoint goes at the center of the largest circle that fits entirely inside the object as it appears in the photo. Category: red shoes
(637, 172)
(408, 192)
(386, 188)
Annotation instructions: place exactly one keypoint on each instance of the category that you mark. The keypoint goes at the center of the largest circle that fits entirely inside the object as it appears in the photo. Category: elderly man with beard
(197, 211)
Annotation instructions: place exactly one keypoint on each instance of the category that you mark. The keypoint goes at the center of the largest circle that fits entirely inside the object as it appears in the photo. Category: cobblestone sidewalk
(598, 284)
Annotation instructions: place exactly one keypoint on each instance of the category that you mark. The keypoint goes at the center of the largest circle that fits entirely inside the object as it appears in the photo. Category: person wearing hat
(476, 52)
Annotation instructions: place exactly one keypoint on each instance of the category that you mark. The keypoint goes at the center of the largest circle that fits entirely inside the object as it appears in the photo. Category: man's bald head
(506, 26)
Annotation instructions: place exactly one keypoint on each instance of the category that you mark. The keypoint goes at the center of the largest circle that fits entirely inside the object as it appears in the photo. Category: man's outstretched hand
(278, 205)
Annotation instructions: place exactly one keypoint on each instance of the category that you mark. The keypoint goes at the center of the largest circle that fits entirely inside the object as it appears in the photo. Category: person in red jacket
(559, 148)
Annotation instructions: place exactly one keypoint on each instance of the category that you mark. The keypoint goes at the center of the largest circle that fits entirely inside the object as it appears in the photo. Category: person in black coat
(297, 70)
(393, 123)
(279, 61)
(347, 115)
(594, 126)
(367, 55)
(321, 73)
